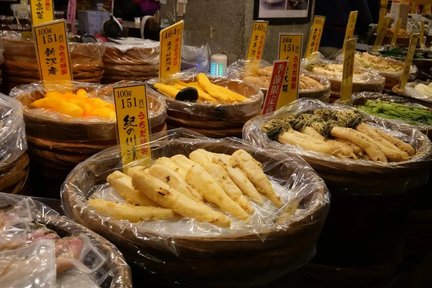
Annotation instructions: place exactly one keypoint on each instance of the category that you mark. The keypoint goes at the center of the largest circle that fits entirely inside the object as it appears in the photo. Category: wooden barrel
(57, 144)
(238, 259)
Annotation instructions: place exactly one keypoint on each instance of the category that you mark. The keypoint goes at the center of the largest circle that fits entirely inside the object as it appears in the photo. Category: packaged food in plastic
(363, 79)
(347, 168)
(387, 67)
(219, 113)
(419, 90)
(317, 87)
(40, 248)
(272, 242)
(395, 108)
(194, 57)
(12, 131)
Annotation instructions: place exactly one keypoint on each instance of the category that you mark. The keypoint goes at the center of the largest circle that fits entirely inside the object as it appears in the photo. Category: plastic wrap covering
(212, 119)
(250, 252)
(21, 66)
(195, 58)
(417, 90)
(421, 117)
(137, 60)
(54, 125)
(12, 131)
(353, 176)
(387, 67)
(318, 87)
(39, 248)
(363, 79)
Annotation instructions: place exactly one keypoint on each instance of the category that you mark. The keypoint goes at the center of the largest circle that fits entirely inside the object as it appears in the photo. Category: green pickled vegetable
(408, 113)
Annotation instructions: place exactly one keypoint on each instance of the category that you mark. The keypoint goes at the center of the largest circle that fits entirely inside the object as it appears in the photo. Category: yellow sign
(170, 50)
(382, 13)
(315, 35)
(381, 34)
(348, 69)
(396, 33)
(413, 9)
(42, 11)
(352, 20)
(133, 128)
(408, 60)
(427, 9)
(257, 40)
(290, 47)
(52, 52)
(422, 32)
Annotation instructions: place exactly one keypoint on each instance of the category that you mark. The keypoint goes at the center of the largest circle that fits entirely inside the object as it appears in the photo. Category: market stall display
(13, 146)
(309, 86)
(215, 107)
(417, 90)
(62, 135)
(376, 191)
(21, 66)
(363, 79)
(389, 68)
(40, 248)
(138, 60)
(254, 247)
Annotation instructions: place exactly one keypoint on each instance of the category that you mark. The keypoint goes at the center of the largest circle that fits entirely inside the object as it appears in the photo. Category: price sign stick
(422, 32)
(257, 40)
(382, 13)
(315, 35)
(348, 69)
(171, 39)
(408, 60)
(275, 87)
(349, 31)
(396, 33)
(381, 34)
(290, 47)
(52, 53)
(133, 130)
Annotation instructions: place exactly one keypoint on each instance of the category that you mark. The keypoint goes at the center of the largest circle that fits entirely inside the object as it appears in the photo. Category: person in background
(129, 9)
(337, 13)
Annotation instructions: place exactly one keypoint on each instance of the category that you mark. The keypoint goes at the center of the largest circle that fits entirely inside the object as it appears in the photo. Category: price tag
(381, 34)
(290, 47)
(349, 31)
(396, 33)
(315, 35)
(422, 32)
(53, 53)
(273, 93)
(348, 69)
(382, 13)
(132, 123)
(257, 40)
(170, 50)
(408, 60)
(42, 11)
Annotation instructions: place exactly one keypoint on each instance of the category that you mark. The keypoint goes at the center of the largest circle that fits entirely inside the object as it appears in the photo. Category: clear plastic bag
(139, 52)
(237, 112)
(363, 79)
(163, 246)
(355, 175)
(13, 142)
(194, 57)
(359, 99)
(36, 231)
(411, 91)
(261, 78)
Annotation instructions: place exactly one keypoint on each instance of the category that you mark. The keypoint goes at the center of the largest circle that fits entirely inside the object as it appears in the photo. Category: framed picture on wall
(281, 12)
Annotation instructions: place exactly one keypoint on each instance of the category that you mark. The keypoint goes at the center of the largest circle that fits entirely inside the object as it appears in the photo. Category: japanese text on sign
(315, 35)
(277, 79)
(132, 122)
(42, 11)
(170, 50)
(257, 40)
(408, 60)
(290, 47)
(348, 69)
(52, 52)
